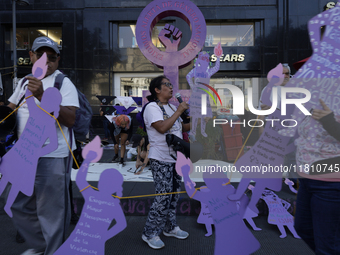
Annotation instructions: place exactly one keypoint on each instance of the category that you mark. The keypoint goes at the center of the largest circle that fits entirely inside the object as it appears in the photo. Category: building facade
(100, 54)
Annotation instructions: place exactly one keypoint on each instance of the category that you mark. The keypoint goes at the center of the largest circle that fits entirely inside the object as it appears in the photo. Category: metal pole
(14, 44)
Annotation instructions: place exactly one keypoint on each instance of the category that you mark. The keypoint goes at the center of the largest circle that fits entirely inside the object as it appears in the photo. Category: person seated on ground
(142, 155)
(122, 131)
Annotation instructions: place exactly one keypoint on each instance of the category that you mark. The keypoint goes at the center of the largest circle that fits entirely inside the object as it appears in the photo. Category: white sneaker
(31, 252)
(177, 232)
(155, 242)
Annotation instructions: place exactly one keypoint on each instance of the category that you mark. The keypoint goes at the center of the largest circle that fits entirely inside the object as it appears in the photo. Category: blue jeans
(317, 218)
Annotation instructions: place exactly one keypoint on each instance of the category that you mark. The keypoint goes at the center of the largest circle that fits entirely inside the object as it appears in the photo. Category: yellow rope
(15, 110)
(150, 195)
(6, 73)
(193, 194)
(84, 188)
(75, 161)
(244, 144)
(7, 67)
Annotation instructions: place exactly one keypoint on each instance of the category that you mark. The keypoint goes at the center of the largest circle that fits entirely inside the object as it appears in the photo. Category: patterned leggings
(162, 214)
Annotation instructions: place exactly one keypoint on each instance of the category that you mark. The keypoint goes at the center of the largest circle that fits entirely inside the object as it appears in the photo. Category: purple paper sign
(19, 165)
(246, 213)
(205, 215)
(100, 208)
(263, 163)
(278, 214)
(320, 74)
(227, 219)
(199, 79)
(171, 59)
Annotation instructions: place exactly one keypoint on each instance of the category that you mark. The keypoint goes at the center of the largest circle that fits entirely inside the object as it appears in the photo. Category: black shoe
(115, 158)
(122, 162)
(19, 238)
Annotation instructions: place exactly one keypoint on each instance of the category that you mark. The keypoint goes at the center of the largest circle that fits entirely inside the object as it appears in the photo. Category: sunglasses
(168, 84)
(51, 58)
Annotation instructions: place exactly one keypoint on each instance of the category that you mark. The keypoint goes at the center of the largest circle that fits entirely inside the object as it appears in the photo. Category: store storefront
(100, 54)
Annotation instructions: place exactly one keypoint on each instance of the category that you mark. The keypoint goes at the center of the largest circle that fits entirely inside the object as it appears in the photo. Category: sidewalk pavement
(129, 241)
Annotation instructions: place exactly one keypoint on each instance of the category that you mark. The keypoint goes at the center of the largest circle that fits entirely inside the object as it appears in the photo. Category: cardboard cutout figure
(205, 215)
(100, 208)
(171, 59)
(199, 79)
(19, 164)
(246, 213)
(267, 155)
(278, 214)
(232, 235)
(320, 74)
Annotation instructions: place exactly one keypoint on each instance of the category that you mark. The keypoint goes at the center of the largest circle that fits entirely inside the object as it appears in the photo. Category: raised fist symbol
(165, 37)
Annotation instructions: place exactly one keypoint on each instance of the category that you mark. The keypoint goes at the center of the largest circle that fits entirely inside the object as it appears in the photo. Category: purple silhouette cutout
(264, 160)
(19, 164)
(246, 213)
(171, 59)
(227, 219)
(290, 184)
(205, 215)
(100, 208)
(320, 74)
(278, 214)
(196, 78)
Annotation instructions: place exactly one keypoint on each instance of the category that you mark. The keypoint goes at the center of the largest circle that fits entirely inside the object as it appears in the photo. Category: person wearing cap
(43, 218)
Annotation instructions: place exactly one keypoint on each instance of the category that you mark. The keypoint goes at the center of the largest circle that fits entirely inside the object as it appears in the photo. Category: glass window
(26, 36)
(240, 34)
(36, 32)
(55, 33)
(134, 86)
(127, 36)
(22, 39)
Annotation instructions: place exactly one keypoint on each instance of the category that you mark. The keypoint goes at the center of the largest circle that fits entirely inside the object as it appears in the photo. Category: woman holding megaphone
(161, 118)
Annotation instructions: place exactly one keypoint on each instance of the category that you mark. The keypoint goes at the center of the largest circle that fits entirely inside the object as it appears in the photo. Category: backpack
(83, 114)
(140, 117)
